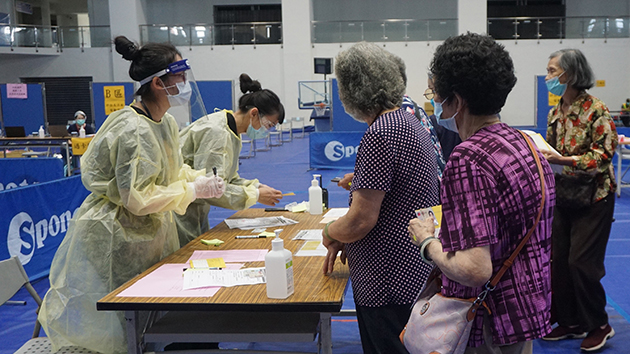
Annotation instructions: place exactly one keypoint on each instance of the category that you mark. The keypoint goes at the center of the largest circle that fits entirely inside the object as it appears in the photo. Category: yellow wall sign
(553, 99)
(114, 98)
(80, 145)
(600, 83)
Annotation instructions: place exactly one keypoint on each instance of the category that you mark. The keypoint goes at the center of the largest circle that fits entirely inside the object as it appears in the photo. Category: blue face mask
(259, 133)
(80, 121)
(448, 123)
(432, 103)
(554, 86)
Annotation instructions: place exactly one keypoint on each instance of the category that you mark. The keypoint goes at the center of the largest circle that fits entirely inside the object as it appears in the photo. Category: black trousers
(579, 244)
(380, 328)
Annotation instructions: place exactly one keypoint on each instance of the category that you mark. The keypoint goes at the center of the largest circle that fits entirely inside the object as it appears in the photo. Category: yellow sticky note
(299, 208)
(267, 234)
(207, 263)
(310, 245)
(214, 242)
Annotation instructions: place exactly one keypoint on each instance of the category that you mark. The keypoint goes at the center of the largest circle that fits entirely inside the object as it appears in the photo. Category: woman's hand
(557, 159)
(268, 195)
(420, 230)
(345, 181)
(333, 249)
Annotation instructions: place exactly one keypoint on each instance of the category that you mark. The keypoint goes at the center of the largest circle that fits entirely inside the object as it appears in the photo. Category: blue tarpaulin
(334, 149)
(35, 220)
(23, 172)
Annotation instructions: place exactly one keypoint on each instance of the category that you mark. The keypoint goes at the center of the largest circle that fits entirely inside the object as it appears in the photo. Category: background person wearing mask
(581, 129)
(448, 139)
(395, 174)
(79, 121)
(214, 141)
(491, 195)
(137, 179)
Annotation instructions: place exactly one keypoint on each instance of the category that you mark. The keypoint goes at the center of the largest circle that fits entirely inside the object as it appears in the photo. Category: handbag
(575, 191)
(441, 324)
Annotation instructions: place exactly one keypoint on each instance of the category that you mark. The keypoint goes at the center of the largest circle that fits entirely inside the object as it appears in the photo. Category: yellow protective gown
(137, 178)
(209, 142)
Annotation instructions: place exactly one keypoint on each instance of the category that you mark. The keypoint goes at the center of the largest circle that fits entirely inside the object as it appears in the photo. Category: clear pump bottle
(279, 269)
(41, 133)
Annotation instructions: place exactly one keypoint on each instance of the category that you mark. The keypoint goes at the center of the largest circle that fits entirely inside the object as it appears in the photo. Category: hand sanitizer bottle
(279, 269)
(315, 206)
(82, 132)
(41, 133)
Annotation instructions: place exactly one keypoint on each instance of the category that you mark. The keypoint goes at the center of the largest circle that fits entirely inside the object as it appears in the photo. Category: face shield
(182, 92)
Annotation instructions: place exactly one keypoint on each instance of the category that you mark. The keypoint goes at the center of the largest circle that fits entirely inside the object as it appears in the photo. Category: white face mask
(183, 97)
(448, 123)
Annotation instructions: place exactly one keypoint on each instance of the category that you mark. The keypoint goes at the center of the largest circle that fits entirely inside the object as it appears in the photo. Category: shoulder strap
(492, 283)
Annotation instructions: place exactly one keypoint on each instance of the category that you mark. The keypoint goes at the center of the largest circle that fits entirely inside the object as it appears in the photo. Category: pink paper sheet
(168, 281)
(231, 256)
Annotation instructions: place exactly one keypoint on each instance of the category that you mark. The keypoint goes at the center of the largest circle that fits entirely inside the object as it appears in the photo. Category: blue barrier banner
(334, 150)
(18, 172)
(35, 220)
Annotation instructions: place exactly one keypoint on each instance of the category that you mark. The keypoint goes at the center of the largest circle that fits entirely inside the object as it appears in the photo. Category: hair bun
(248, 85)
(126, 48)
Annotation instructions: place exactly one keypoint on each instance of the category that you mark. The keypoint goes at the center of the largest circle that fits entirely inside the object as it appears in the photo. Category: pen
(252, 236)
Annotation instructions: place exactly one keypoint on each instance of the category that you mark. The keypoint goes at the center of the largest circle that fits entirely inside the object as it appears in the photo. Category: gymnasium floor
(287, 168)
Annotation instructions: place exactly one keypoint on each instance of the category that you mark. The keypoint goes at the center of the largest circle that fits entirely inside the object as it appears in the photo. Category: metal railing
(382, 30)
(213, 34)
(559, 27)
(59, 37)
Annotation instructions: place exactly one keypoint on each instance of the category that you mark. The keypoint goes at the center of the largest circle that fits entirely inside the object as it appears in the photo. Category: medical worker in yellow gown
(214, 141)
(137, 179)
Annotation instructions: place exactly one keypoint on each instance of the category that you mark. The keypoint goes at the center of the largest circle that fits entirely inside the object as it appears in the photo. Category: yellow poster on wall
(553, 99)
(114, 98)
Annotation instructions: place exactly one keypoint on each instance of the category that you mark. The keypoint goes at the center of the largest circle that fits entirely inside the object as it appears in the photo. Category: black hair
(267, 102)
(477, 68)
(146, 60)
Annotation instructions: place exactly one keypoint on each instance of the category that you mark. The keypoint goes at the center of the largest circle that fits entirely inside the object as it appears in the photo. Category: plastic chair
(252, 147)
(13, 277)
(267, 144)
(288, 122)
(275, 132)
(299, 124)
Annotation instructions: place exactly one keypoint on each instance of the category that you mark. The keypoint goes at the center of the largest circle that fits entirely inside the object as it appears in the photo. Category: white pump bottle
(315, 203)
(42, 133)
(279, 269)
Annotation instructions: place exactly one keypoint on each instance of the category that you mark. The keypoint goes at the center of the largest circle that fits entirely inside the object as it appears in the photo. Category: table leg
(67, 147)
(325, 333)
(133, 342)
(619, 159)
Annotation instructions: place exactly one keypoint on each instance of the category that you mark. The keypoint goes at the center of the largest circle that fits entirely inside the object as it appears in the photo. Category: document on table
(312, 249)
(199, 278)
(262, 222)
(336, 213)
(232, 256)
(167, 281)
(314, 235)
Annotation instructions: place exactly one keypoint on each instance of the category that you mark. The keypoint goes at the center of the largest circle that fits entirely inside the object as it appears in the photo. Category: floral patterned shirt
(588, 134)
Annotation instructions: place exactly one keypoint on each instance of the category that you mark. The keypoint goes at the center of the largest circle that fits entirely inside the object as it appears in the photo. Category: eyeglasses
(429, 94)
(266, 123)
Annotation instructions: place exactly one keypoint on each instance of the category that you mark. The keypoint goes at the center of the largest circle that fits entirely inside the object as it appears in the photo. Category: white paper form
(263, 222)
(313, 235)
(336, 213)
(199, 278)
(312, 249)
(232, 256)
(167, 281)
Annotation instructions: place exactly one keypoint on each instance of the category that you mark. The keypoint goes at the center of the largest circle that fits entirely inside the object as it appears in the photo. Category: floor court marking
(617, 308)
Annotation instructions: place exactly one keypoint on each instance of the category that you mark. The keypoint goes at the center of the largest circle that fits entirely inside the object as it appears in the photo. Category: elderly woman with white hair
(581, 129)
(395, 174)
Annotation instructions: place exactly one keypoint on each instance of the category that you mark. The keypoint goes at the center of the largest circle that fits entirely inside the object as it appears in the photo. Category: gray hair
(369, 81)
(573, 62)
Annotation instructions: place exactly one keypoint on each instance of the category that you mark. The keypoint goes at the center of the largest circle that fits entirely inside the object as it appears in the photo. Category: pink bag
(437, 324)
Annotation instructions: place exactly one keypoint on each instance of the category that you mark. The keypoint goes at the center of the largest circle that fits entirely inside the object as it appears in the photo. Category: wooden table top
(314, 292)
(33, 139)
